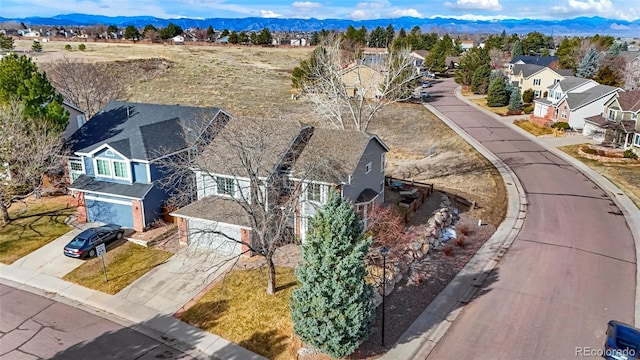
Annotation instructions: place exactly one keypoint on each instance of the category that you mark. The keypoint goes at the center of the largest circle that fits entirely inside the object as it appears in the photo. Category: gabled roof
(139, 131)
(344, 148)
(534, 60)
(564, 72)
(421, 53)
(264, 141)
(579, 99)
(571, 82)
(216, 208)
(527, 69)
(629, 100)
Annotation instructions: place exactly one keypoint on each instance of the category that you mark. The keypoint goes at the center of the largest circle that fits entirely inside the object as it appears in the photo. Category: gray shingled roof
(576, 100)
(216, 208)
(527, 69)
(535, 60)
(139, 131)
(332, 154)
(89, 184)
(570, 82)
(261, 141)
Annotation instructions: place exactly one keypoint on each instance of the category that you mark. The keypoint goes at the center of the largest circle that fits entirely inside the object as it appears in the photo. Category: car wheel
(119, 236)
(92, 253)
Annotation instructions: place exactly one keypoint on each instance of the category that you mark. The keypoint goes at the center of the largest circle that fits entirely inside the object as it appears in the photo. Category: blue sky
(466, 9)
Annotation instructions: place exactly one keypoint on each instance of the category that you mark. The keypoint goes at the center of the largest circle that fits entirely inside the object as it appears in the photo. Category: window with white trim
(634, 116)
(536, 82)
(314, 192)
(537, 93)
(226, 186)
(103, 167)
(382, 159)
(367, 168)
(564, 113)
(636, 140)
(612, 114)
(120, 170)
(76, 168)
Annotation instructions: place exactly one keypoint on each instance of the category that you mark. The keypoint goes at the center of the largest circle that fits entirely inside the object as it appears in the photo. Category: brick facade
(183, 231)
(245, 237)
(81, 209)
(138, 216)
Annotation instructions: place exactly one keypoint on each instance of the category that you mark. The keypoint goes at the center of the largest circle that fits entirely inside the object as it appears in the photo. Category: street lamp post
(384, 252)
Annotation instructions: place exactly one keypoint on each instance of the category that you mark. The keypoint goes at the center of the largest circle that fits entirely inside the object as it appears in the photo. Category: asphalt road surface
(35, 327)
(570, 270)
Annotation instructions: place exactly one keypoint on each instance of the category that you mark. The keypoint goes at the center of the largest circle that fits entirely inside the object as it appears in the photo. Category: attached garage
(594, 131)
(207, 235)
(109, 211)
(215, 224)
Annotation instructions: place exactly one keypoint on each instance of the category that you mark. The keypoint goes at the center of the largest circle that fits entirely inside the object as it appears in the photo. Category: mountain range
(579, 26)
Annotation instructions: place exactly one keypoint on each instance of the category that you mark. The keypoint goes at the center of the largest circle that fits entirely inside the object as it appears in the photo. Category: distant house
(535, 77)
(223, 40)
(178, 39)
(418, 57)
(114, 169)
(467, 44)
(451, 62)
(361, 80)
(549, 61)
(632, 69)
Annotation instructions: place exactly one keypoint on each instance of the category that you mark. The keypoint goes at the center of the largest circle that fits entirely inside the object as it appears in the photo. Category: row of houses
(116, 170)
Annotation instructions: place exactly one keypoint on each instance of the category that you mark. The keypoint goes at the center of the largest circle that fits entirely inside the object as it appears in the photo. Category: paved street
(570, 270)
(35, 327)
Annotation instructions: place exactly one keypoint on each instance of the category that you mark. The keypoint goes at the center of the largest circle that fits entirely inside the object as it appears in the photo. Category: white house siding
(206, 185)
(201, 236)
(540, 110)
(576, 121)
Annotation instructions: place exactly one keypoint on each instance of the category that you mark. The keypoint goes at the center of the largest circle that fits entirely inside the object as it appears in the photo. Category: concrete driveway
(50, 259)
(168, 287)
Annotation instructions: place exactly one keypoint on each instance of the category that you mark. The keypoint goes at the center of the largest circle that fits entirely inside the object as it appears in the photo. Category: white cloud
(306, 5)
(358, 15)
(471, 17)
(268, 14)
(405, 12)
(599, 6)
(372, 5)
(493, 5)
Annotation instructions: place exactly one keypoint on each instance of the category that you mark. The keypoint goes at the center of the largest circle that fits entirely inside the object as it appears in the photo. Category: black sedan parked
(84, 244)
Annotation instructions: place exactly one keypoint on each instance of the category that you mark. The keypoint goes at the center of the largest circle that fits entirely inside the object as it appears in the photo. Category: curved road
(571, 268)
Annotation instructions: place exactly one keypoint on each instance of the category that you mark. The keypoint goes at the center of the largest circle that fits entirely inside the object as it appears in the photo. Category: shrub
(515, 101)
(461, 241)
(601, 153)
(545, 94)
(628, 154)
(67, 47)
(561, 125)
(36, 46)
(528, 109)
(497, 95)
(588, 150)
(464, 229)
(82, 47)
(527, 95)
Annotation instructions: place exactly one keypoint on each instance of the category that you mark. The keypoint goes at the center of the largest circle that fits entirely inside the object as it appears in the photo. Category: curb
(426, 331)
(629, 210)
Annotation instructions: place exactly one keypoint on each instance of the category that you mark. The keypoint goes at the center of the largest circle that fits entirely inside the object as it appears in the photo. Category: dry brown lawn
(501, 110)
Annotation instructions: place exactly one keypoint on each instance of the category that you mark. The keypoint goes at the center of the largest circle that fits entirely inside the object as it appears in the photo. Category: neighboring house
(548, 61)
(77, 118)
(361, 80)
(535, 77)
(632, 69)
(418, 57)
(467, 44)
(114, 170)
(544, 110)
(451, 62)
(350, 162)
(575, 107)
(618, 122)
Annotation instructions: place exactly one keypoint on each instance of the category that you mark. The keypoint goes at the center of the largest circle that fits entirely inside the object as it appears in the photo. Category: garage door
(109, 213)
(202, 236)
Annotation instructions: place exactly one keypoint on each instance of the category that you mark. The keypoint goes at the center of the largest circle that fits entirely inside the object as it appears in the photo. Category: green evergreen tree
(391, 33)
(36, 46)
(20, 79)
(515, 100)
(378, 38)
(517, 49)
(131, 33)
(480, 79)
(6, 42)
(589, 64)
(333, 308)
(210, 33)
(527, 95)
(497, 95)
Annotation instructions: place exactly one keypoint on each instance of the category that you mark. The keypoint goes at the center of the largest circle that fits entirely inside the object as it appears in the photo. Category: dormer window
(109, 153)
(112, 169)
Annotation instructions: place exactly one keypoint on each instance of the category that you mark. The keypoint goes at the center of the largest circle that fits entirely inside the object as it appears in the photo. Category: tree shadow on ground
(205, 314)
(409, 317)
(270, 342)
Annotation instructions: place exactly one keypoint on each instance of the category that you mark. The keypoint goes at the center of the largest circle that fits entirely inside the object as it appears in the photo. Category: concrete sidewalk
(147, 305)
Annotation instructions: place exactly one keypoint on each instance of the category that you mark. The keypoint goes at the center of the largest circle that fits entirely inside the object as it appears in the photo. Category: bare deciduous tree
(250, 164)
(29, 149)
(88, 85)
(353, 106)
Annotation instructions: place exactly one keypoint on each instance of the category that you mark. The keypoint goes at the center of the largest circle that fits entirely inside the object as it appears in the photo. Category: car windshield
(81, 238)
(77, 242)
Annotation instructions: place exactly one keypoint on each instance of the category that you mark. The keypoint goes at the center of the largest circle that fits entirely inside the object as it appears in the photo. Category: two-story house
(631, 70)
(575, 107)
(545, 109)
(535, 77)
(618, 123)
(299, 167)
(77, 118)
(361, 80)
(114, 170)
